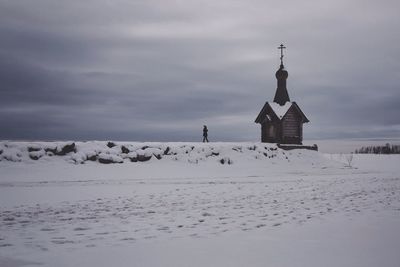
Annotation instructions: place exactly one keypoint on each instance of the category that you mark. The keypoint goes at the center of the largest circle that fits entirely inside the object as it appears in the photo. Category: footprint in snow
(81, 228)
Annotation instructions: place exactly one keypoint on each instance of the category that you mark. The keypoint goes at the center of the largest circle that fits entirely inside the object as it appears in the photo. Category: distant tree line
(386, 149)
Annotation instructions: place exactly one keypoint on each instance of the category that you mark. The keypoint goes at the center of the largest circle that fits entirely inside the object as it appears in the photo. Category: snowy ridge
(126, 152)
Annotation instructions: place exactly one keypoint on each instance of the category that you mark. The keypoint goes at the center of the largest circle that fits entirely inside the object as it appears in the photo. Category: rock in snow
(120, 152)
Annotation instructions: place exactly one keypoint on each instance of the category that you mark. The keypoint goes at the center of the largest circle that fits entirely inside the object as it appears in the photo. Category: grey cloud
(159, 70)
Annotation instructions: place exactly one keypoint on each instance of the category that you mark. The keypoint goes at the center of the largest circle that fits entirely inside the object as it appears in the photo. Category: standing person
(205, 134)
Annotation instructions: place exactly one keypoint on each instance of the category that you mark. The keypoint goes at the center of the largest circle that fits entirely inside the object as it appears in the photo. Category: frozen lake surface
(299, 208)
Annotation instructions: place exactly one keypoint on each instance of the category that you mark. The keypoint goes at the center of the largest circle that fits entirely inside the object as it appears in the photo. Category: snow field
(258, 210)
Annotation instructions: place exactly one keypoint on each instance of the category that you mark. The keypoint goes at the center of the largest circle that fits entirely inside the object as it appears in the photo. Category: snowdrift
(135, 152)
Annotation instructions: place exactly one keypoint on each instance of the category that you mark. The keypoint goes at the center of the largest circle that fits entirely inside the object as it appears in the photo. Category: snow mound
(126, 152)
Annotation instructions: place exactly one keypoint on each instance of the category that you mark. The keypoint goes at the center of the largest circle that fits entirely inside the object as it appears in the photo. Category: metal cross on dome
(281, 47)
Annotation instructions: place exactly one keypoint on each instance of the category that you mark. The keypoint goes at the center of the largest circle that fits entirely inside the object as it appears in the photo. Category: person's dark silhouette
(205, 134)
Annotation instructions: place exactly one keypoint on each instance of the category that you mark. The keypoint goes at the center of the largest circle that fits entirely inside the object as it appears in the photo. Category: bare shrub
(349, 160)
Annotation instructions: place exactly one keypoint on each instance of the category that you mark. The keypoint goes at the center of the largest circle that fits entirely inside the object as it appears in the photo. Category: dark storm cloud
(159, 70)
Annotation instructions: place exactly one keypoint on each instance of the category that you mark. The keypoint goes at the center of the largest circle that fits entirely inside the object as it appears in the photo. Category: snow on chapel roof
(279, 110)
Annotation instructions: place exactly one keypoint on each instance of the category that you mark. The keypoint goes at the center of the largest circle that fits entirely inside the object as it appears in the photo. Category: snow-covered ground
(338, 146)
(218, 204)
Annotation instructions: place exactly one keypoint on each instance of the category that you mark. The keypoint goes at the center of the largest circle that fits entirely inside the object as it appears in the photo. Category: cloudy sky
(157, 70)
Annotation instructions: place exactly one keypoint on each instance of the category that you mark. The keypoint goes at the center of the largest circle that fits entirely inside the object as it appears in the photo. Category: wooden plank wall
(291, 124)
